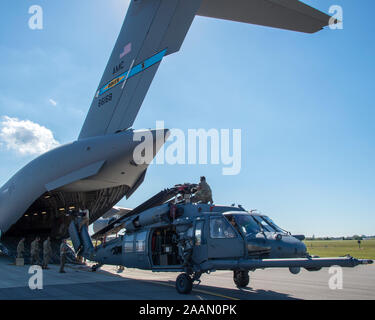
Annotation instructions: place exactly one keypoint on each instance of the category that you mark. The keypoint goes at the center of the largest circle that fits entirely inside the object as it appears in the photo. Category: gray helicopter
(169, 233)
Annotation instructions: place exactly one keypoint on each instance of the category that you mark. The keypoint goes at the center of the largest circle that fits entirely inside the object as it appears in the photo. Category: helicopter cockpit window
(221, 229)
(129, 243)
(266, 227)
(247, 224)
(273, 224)
(198, 233)
(268, 224)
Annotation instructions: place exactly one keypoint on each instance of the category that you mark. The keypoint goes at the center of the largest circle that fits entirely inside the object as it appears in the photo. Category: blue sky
(304, 104)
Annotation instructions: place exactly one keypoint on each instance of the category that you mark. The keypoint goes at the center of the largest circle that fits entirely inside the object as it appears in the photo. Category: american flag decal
(127, 49)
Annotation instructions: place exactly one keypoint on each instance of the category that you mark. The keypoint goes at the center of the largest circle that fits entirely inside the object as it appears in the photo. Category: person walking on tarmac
(63, 250)
(34, 251)
(204, 193)
(47, 252)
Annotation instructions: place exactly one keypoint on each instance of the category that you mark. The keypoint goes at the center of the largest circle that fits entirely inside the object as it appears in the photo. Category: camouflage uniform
(21, 249)
(63, 250)
(34, 251)
(47, 252)
(204, 193)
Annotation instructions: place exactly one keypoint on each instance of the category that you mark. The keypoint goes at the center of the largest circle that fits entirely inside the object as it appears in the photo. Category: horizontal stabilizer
(283, 14)
(74, 236)
(81, 240)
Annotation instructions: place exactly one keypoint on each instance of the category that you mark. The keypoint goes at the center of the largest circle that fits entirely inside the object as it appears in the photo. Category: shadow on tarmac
(127, 288)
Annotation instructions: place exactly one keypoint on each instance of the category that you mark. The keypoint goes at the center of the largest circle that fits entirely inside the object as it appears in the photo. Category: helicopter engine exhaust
(147, 218)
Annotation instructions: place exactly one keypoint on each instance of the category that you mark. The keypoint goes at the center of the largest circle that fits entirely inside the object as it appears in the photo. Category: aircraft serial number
(104, 100)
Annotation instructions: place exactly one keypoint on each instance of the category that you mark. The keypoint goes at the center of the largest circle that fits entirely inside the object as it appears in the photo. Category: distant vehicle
(169, 233)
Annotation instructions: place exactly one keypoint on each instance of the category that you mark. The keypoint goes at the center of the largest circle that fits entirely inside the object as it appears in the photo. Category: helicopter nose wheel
(241, 278)
(184, 283)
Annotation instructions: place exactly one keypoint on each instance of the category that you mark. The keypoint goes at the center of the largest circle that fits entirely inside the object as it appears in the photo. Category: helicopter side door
(135, 250)
(223, 239)
(200, 241)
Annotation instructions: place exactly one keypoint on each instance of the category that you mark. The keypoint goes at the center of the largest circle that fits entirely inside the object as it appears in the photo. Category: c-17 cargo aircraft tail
(98, 170)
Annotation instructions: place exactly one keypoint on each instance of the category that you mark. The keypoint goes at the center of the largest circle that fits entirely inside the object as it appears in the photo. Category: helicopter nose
(288, 247)
(301, 249)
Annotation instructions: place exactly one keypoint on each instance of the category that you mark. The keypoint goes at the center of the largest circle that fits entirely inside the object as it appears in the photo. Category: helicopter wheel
(95, 267)
(241, 278)
(184, 283)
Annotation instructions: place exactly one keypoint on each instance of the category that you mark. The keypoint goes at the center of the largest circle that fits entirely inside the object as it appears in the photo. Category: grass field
(337, 248)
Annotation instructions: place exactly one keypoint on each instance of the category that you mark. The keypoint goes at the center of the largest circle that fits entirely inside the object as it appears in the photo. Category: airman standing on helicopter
(204, 193)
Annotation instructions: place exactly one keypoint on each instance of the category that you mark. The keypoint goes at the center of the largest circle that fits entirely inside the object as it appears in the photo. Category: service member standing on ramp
(63, 251)
(34, 251)
(47, 252)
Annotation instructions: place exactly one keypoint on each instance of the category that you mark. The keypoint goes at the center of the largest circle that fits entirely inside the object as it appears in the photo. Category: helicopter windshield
(273, 224)
(250, 224)
(246, 223)
(267, 224)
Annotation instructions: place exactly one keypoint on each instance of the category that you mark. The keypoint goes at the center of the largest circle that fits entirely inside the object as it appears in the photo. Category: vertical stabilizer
(152, 29)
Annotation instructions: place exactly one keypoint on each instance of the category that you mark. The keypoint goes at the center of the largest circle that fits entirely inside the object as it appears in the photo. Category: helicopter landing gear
(184, 283)
(241, 278)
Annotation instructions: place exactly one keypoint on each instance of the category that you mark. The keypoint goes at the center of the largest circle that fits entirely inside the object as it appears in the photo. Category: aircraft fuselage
(93, 173)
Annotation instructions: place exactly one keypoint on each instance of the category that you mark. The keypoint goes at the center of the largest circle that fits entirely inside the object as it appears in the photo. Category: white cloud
(26, 137)
(53, 102)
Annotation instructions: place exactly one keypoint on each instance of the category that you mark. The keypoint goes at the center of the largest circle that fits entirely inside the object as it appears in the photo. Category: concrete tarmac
(132, 284)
